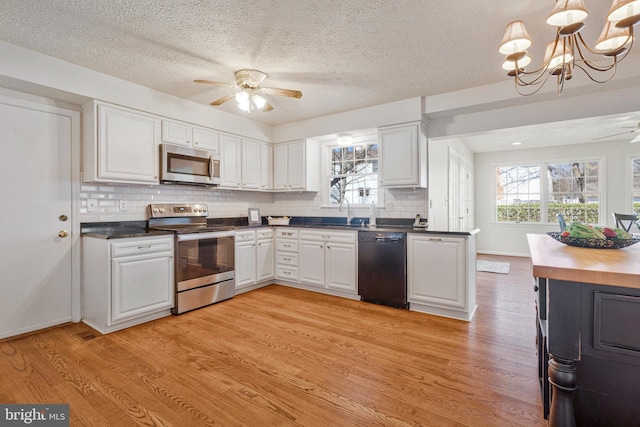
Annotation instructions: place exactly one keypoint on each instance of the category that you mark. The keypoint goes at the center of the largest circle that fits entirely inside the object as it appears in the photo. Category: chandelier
(248, 99)
(568, 50)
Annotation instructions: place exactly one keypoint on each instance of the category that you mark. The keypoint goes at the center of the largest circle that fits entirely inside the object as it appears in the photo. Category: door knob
(63, 233)
(63, 218)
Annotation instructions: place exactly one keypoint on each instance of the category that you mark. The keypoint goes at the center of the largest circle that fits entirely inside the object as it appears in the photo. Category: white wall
(510, 239)
(439, 177)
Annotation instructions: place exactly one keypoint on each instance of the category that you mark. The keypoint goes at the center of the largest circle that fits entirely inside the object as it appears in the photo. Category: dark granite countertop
(128, 229)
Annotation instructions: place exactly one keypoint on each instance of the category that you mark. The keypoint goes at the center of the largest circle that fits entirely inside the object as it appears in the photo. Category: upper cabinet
(182, 133)
(266, 166)
(251, 164)
(120, 145)
(230, 161)
(403, 150)
(296, 166)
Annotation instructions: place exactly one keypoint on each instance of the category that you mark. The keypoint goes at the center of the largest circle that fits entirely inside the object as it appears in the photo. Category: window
(635, 183)
(352, 174)
(518, 193)
(573, 189)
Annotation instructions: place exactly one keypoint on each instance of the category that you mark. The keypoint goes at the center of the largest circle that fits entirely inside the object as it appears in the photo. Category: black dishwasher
(382, 268)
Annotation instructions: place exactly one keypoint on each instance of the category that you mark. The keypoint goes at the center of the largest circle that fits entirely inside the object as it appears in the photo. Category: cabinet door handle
(435, 239)
(144, 247)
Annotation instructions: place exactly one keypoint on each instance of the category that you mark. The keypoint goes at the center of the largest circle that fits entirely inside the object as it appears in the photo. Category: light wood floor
(280, 356)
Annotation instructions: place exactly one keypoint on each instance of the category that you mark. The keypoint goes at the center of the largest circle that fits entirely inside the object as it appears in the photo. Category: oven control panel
(168, 210)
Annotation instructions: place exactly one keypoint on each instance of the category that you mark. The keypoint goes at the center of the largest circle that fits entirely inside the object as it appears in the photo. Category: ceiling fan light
(259, 101)
(510, 65)
(558, 56)
(613, 37)
(516, 39)
(624, 10)
(243, 99)
(567, 12)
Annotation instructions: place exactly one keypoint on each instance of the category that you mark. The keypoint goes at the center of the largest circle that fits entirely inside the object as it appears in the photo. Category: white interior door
(36, 187)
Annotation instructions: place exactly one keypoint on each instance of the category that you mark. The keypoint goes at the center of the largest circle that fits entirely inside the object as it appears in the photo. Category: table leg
(563, 377)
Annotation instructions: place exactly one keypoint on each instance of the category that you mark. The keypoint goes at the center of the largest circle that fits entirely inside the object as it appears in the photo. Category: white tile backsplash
(405, 203)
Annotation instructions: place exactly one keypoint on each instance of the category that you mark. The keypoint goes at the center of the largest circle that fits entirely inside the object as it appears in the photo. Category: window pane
(574, 191)
(354, 172)
(518, 193)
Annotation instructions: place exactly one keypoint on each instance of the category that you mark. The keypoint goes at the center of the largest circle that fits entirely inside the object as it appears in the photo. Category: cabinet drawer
(141, 247)
(265, 233)
(328, 236)
(287, 273)
(286, 233)
(287, 259)
(287, 246)
(244, 236)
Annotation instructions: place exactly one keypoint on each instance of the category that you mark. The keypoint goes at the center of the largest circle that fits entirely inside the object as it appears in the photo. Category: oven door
(204, 259)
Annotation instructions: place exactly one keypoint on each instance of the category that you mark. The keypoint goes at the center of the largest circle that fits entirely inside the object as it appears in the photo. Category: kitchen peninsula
(588, 303)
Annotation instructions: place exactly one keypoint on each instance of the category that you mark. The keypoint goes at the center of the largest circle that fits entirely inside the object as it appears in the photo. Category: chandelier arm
(596, 80)
(592, 64)
(521, 83)
(595, 52)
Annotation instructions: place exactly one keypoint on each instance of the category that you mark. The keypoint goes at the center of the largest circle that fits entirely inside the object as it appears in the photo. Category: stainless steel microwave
(186, 165)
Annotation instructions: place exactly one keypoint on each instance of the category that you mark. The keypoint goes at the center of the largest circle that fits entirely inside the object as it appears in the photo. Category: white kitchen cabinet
(312, 261)
(441, 274)
(403, 155)
(296, 166)
(245, 258)
(181, 133)
(127, 281)
(230, 161)
(328, 259)
(255, 257)
(265, 255)
(287, 254)
(251, 164)
(120, 145)
(266, 166)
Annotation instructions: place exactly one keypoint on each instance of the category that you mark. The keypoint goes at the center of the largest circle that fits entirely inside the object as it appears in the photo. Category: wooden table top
(614, 267)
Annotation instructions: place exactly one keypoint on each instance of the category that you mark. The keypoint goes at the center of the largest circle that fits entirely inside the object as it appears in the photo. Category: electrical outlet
(124, 205)
(92, 205)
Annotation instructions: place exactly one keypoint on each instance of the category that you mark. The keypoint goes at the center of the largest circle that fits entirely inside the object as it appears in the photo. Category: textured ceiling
(342, 54)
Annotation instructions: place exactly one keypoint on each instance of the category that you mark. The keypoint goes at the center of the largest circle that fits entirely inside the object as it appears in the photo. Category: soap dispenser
(372, 215)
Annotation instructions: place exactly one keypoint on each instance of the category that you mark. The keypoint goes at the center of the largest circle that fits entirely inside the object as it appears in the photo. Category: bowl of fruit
(588, 236)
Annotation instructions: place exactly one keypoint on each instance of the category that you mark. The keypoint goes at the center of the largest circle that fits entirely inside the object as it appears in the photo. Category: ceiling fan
(635, 130)
(249, 94)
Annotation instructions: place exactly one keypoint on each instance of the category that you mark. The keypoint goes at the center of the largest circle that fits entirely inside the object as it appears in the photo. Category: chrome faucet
(349, 216)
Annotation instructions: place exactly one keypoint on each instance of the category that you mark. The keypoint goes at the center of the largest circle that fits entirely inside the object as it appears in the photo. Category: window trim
(544, 220)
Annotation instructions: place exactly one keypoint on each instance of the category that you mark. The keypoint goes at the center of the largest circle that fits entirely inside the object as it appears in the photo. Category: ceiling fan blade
(267, 107)
(615, 134)
(222, 100)
(208, 82)
(282, 92)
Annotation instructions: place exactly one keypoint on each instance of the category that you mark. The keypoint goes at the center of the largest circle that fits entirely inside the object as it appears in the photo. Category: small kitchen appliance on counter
(204, 254)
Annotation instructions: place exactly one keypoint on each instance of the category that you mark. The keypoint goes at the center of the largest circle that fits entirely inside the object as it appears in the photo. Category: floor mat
(493, 267)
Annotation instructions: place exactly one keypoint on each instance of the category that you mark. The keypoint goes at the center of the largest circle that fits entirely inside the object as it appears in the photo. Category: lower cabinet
(328, 259)
(287, 254)
(126, 281)
(254, 257)
(441, 275)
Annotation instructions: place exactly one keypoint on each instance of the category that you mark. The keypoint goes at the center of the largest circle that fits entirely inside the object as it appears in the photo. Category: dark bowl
(582, 242)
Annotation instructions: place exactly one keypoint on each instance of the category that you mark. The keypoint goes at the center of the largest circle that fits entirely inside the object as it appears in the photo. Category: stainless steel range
(204, 255)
